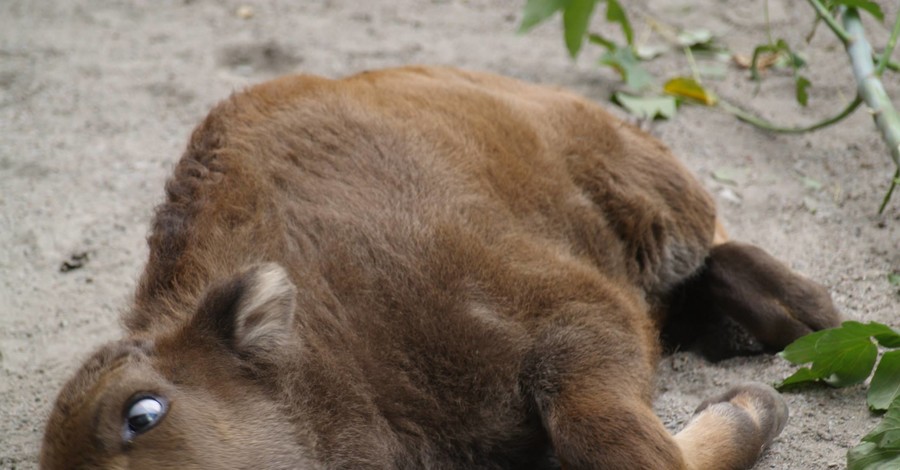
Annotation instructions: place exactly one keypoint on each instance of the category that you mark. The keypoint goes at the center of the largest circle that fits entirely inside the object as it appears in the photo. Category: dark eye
(144, 413)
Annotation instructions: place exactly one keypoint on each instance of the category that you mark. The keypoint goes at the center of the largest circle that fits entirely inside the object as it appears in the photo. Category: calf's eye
(144, 413)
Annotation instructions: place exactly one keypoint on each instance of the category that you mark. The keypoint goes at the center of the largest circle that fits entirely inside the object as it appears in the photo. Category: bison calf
(425, 268)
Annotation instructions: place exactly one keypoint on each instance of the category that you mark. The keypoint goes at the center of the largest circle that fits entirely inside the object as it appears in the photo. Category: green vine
(642, 97)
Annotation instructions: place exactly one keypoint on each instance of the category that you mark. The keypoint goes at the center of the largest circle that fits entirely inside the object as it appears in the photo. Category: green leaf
(868, 5)
(894, 279)
(885, 335)
(795, 61)
(615, 14)
(880, 449)
(647, 107)
(847, 366)
(685, 87)
(623, 60)
(650, 51)
(840, 356)
(888, 339)
(885, 386)
(872, 328)
(537, 11)
(714, 71)
(803, 350)
(867, 456)
(807, 348)
(696, 37)
(726, 175)
(802, 95)
(803, 376)
(576, 16)
(811, 183)
(606, 43)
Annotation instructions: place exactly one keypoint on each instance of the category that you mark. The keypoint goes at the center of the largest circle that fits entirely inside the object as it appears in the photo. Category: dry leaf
(765, 60)
(685, 87)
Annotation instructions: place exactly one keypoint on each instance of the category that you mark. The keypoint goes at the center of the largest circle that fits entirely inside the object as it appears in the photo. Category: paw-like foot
(762, 403)
(731, 430)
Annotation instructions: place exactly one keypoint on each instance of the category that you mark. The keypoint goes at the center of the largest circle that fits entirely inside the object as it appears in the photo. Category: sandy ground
(97, 99)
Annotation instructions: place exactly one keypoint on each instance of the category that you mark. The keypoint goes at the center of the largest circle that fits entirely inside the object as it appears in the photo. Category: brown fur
(472, 272)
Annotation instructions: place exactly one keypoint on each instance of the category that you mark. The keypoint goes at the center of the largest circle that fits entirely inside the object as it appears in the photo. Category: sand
(97, 99)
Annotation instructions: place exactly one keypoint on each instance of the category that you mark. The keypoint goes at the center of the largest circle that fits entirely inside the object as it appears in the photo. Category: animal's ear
(253, 311)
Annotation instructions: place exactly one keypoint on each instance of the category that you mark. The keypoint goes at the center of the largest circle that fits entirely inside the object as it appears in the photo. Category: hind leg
(744, 301)
(774, 304)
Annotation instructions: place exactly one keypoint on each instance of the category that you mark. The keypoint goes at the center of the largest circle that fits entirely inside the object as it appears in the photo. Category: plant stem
(769, 126)
(832, 23)
(812, 31)
(870, 88)
(887, 197)
(889, 48)
(695, 72)
(891, 65)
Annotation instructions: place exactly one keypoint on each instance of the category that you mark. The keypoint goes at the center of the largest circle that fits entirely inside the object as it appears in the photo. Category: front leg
(591, 385)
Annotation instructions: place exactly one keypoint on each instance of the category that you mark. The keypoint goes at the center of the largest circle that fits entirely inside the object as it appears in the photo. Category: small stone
(729, 195)
(245, 12)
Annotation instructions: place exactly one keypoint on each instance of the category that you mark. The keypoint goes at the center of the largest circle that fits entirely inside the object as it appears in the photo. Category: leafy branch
(846, 356)
(642, 97)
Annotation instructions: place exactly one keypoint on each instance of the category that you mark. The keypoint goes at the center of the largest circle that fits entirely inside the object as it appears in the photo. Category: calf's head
(193, 397)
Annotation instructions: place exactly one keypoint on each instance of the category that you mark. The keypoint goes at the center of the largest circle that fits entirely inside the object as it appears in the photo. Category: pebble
(245, 12)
